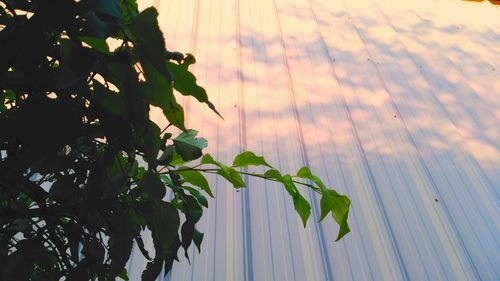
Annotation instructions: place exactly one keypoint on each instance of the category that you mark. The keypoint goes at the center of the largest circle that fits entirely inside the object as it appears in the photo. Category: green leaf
(167, 180)
(302, 207)
(289, 185)
(338, 205)
(124, 76)
(114, 103)
(331, 201)
(195, 178)
(129, 10)
(121, 241)
(188, 146)
(150, 142)
(177, 160)
(208, 159)
(300, 203)
(187, 232)
(273, 174)
(192, 209)
(305, 173)
(167, 155)
(123, 274)
(140, 245)
(286, 180)
(153, 268)
(93, 26)
(152, 187)
(149, 41)
(9, 95)
(201, 199)
(248, 158)
(185, 83)
(193, 212)
(96, 43)
(76, 62)
(230, 174)
(165, 224)
(117, 176)
(160, 92)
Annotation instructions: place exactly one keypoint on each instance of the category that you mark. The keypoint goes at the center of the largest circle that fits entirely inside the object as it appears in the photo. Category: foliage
(83, 170)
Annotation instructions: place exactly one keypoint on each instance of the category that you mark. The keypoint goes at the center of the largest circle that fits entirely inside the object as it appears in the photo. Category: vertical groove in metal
(245, 199)
(325, 258)
(193, 45)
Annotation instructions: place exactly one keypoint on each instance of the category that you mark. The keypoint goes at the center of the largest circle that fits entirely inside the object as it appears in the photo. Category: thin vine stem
(214, 171)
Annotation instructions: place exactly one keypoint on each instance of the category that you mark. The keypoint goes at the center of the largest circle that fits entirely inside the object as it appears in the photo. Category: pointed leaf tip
(302, 207)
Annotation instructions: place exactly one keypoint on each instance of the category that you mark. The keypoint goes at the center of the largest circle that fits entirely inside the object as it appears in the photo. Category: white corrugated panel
(394, 103)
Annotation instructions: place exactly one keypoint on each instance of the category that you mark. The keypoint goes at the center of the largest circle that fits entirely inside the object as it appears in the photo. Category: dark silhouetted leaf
(114, 103)
(189, 146)
(140, 245)
(151, 142)
(129, 10)
(197, 238)
(201, 199)
(153, 268)
(93, 26)
(187, 231)
(120, 242)
(166, 222)
(161, 94)
(152, 187)
(185, 83)
(93, 252)
(150, 45)
(167, 155)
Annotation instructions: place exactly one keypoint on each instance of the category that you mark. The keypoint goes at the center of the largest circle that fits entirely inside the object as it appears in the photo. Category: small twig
(162, 131)
(91, 77)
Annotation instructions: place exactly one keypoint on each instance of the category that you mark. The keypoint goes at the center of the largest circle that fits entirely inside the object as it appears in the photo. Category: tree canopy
(84, 171)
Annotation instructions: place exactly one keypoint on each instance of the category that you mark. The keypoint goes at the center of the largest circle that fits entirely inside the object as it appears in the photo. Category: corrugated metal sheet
(394, 103)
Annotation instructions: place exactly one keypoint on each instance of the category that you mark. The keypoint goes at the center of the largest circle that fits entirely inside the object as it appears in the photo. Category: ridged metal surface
(394, 103)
